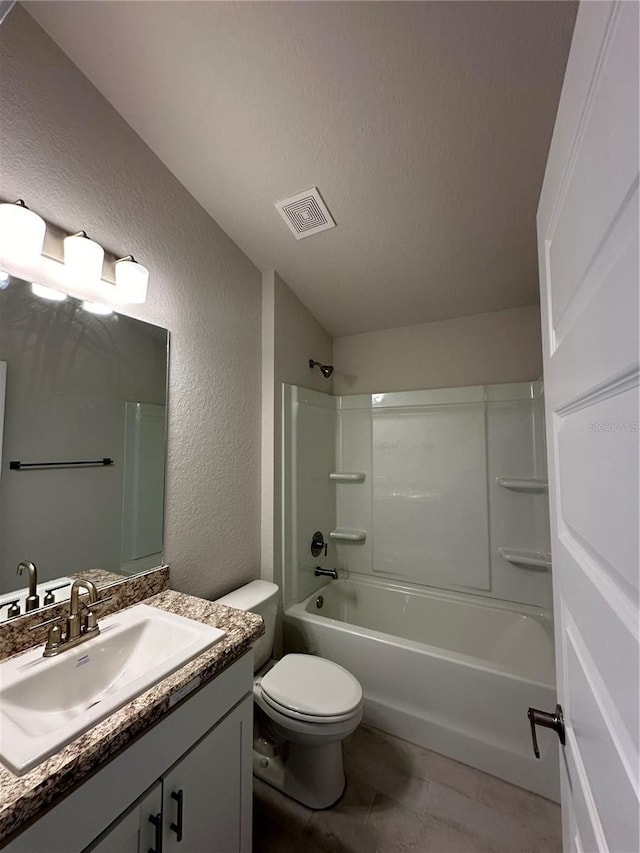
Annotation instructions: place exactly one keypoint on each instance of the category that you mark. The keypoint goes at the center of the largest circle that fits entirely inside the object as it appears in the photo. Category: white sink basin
(47, 702)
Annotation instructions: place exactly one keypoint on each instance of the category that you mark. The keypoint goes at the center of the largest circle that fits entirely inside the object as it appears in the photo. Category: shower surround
(434, 507)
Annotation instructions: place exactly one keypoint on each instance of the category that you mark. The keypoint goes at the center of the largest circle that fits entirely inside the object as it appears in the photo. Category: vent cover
(305, 213)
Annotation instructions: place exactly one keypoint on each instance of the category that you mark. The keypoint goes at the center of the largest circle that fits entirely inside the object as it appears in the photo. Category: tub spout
(328, 573)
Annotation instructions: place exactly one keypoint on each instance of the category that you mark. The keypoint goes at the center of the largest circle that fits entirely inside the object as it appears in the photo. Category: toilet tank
(259, 597)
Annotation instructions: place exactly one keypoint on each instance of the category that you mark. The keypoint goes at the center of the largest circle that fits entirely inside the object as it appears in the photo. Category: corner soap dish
(346, 534)
(348, 476)
(534, 485)
(526, 559)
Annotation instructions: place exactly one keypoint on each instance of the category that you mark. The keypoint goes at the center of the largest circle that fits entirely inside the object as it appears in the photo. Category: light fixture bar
(85, 271)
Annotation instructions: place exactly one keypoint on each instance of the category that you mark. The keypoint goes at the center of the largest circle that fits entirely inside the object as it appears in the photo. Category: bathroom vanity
(171, 770)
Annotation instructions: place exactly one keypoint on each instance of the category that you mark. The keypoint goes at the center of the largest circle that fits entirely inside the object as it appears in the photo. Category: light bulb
(83, 258)
(48, 292)
(96, 308)
(131, 281)
(21, 233)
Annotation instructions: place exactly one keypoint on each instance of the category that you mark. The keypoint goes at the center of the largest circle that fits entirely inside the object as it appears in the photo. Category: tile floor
(403, 799)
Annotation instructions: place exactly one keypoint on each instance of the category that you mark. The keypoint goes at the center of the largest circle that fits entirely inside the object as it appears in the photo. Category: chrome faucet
(79, 626)
(32, 602)
(329, 573)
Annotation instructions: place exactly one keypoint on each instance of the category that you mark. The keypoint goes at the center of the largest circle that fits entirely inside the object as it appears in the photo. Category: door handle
(177, 827)
(156, 820)
(553, 721)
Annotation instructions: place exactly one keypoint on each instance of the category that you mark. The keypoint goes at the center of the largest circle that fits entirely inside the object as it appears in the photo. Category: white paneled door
(588, 251)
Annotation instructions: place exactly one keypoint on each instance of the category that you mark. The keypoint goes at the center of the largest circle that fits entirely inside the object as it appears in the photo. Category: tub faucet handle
(318, 545)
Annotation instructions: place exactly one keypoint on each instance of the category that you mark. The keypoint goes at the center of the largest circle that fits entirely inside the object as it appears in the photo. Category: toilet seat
(311, 689)
(305, 718)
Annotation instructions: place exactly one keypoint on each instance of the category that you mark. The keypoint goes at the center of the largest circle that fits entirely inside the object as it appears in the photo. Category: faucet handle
(54, 637)
(90, 619)
(54, 640)
(50, 597)
(14, 608)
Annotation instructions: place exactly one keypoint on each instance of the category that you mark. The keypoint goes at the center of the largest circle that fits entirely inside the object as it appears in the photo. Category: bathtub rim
(299, 611)
(423, 590)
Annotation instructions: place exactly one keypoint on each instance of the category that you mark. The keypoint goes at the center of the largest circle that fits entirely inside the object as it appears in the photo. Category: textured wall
(503, 346)
(290, 337)
(66, 151)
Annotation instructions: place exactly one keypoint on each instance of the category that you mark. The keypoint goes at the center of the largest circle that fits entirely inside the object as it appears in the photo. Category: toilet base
(312, 775)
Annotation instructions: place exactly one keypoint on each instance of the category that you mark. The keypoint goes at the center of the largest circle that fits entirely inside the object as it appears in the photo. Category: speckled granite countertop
(100, 577)
(23, 798)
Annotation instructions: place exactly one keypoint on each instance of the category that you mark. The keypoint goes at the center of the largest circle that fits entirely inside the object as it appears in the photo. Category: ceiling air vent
(305, 213)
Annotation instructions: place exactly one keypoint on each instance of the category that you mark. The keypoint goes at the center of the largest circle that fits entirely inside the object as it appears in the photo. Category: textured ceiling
(425, 126)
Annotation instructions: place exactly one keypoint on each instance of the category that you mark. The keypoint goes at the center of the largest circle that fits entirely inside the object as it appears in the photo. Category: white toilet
(305, 707)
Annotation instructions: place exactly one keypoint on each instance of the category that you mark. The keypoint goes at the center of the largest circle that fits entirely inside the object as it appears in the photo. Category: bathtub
(450, 672)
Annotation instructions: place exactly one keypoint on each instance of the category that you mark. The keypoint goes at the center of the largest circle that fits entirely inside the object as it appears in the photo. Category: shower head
(325, 369)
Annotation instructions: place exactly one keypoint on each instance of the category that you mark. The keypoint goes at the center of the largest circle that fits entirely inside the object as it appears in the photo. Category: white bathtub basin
(452, 672)
(47, 702)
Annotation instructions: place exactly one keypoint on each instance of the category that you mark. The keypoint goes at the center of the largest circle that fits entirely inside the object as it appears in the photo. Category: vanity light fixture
(32, 249)
(49, 293)
(21, 232)
(97, 308)
(131, 280)
(83, 258)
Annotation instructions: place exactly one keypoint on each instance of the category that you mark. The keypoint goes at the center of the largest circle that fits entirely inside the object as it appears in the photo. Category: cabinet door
(134, 832)
(206, 796)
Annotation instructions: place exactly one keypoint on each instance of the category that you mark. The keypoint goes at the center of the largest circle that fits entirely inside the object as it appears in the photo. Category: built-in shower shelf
(347, 534)
(526, 559)
(348, 476)
(523, 484)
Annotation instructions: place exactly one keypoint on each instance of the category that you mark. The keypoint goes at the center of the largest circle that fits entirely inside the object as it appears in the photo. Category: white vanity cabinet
(196, 806)
(192, 772)
(202, 796)
(135, 831)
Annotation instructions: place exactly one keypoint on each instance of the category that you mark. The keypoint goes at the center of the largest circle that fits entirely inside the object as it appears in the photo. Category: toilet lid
(312, 685)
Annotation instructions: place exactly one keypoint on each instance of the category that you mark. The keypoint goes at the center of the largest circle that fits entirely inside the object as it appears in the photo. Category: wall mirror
(83, 401)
